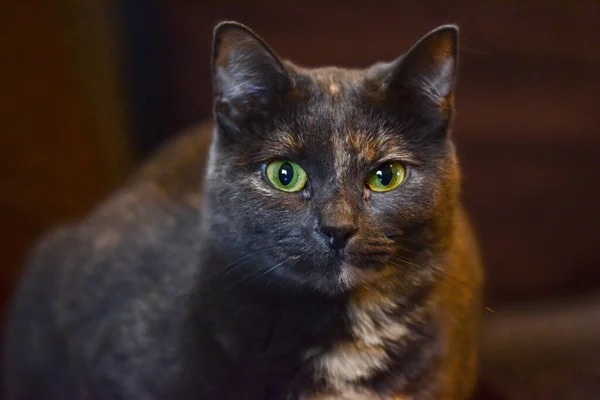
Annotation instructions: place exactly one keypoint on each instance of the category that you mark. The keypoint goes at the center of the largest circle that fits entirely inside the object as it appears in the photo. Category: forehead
(331, 115)
(332, 81)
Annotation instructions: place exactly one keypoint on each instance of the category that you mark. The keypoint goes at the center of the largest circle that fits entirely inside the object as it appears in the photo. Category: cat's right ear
(248, 78)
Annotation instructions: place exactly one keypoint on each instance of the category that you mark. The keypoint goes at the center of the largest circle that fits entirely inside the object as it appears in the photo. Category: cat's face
(322, 177)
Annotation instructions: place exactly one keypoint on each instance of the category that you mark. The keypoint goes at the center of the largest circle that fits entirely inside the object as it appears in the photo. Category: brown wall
(61, 129)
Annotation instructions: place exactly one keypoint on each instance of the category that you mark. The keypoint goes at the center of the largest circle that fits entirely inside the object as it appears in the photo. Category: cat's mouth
(336, 271)
(365, 259)
(339, 254)
(343, 260)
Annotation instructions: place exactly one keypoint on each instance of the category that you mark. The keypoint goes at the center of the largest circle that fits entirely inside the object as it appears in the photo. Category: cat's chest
(367, 363)
(354, 351)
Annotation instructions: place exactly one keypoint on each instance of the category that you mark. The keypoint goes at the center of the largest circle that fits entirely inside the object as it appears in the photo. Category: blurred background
(91, 88)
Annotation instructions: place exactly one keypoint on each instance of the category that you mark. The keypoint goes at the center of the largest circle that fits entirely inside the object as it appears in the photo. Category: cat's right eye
(387, 176)
(286, 176)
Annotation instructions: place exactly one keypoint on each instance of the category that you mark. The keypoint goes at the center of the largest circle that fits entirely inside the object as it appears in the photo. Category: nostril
(337, 236)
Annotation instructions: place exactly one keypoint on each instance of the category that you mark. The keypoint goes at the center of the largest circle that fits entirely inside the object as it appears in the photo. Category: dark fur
(169, 291)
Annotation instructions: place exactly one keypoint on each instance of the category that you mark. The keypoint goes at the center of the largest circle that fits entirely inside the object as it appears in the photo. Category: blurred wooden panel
(63, 139)
(527, 126)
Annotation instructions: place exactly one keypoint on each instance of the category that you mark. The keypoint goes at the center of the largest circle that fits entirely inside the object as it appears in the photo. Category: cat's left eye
(286, 176)
(387, 176)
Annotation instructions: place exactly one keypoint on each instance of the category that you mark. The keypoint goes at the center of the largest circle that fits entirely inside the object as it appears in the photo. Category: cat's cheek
(404, 207)
(274, 207)
(257, 184)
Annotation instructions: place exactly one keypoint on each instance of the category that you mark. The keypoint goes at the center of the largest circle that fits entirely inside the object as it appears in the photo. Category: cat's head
(323, 177)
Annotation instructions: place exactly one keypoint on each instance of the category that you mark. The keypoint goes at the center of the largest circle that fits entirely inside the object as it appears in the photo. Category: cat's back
(109, 281)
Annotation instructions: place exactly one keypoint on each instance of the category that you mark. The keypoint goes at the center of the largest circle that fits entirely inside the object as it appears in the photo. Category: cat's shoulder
(139, 225)
(167, 183)
(176, 170)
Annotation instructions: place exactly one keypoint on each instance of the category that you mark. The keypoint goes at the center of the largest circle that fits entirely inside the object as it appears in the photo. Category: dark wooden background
(88, 88)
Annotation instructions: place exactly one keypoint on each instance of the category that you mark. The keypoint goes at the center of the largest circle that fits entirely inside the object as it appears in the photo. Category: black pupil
(385, 174)
(286, 174)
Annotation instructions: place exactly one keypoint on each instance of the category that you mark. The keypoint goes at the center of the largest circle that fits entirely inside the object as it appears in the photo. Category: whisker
(443, 274)
(229, 268)
(436, 269)
(255, 277)
(451, 251)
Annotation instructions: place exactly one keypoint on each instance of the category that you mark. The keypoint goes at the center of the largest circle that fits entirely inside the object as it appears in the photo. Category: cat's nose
(337, 236)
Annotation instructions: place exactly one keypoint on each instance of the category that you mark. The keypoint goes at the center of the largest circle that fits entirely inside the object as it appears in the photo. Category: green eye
(286, 176)
(386, 177)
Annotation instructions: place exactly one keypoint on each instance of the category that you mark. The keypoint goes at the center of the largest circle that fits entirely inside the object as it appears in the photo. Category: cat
(322, 253)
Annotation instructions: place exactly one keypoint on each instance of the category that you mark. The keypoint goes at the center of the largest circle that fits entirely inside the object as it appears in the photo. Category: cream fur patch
(350, 361)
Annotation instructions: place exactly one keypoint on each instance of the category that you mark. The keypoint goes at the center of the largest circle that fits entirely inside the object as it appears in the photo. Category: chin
(336, 278)
(349, 277)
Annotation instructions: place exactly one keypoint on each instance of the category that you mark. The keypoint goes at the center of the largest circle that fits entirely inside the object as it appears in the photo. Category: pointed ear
(248, 78)
(427, 69)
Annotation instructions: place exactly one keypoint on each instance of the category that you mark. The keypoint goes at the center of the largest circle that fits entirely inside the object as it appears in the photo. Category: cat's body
(169, 290)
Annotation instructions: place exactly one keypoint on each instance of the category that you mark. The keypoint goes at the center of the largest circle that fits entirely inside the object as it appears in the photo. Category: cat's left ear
(248, 78)
(427, 70)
